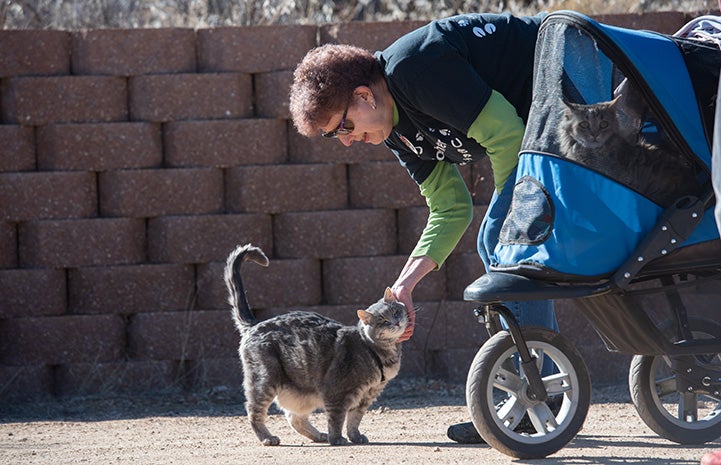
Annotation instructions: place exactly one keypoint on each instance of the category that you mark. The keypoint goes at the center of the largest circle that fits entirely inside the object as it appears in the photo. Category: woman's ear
(365, 93)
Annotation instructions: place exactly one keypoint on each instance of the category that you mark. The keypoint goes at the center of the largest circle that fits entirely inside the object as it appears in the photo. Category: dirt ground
(406, 425)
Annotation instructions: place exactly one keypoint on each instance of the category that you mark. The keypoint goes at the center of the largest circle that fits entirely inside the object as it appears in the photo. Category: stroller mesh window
(588, 111)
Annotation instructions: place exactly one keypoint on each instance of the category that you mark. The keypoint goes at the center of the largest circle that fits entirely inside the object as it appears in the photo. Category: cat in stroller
(607, 137)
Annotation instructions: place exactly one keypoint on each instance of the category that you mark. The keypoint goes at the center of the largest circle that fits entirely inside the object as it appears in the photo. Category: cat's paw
(357, 438)
(337, 441)
(322, 437)
(271, 441)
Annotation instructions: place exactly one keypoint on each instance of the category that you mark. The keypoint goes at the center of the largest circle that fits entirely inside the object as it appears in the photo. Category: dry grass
(87, 14)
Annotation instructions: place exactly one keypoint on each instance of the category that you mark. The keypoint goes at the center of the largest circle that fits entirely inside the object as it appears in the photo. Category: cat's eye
(584, 124)
(386, 322)
(603, 124)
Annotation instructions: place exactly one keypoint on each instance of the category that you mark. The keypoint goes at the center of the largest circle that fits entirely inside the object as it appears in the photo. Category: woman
(446, 94)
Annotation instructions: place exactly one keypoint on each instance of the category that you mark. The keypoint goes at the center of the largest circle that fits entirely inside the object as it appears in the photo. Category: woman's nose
(346, 140)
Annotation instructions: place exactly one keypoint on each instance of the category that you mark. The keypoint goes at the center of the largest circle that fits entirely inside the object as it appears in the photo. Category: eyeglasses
(343, 129)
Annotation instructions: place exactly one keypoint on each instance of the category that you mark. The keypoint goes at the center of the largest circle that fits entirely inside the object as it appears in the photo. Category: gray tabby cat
(304, 361)
(603, 137)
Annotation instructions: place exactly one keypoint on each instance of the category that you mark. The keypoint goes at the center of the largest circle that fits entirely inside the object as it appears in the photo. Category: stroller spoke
(511, 412)
(508, 381)
(666, 386)
(542, 418)
(557, 384)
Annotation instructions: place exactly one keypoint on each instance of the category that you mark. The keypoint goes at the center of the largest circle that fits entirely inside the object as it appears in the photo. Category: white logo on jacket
(487, 29)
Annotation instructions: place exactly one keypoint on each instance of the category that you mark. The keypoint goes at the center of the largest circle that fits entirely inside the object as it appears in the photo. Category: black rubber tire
(653, 392)
(493, 377)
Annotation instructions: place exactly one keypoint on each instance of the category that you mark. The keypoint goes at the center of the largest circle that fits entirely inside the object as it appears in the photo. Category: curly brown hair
(324, 81)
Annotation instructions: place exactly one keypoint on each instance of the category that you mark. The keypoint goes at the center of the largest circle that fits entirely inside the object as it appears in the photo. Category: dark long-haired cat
(304, 361)
(603, 137)
(591, 133)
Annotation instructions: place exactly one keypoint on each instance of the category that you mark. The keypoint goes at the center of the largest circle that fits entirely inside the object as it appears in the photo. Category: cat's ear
(365, 316)
(388, 296)
(566, 109)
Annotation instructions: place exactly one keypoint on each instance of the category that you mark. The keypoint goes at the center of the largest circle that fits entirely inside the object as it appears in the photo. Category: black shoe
(525, 425)
(464, 433)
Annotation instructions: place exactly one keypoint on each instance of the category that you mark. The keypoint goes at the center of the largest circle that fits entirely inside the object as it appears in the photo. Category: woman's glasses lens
(344, 128)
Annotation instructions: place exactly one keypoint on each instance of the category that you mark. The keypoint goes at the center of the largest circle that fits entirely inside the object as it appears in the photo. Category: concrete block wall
(133, 161)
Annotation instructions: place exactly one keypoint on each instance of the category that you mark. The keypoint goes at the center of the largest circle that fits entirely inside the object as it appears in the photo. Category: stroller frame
(641, 336)
(623, 327)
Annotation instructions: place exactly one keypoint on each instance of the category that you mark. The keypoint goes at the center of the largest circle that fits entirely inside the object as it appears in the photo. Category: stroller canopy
(619, 130)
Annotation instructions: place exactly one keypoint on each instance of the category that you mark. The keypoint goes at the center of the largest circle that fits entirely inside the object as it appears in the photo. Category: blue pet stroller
(622, 233)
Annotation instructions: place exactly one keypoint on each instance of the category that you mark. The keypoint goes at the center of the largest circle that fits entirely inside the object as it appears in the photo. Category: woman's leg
(539, 313)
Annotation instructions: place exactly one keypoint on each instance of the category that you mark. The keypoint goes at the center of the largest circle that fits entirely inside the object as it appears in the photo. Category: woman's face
(365, 119)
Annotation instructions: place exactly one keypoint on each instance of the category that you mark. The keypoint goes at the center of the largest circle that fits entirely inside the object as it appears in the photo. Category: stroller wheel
(501, 409)
(679, 416)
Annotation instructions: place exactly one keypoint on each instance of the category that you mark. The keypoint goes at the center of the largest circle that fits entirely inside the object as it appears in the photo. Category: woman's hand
(414, 270)
(404, 296)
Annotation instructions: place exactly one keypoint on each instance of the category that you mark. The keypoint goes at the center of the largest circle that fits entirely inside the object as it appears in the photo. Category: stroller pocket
(530, 219)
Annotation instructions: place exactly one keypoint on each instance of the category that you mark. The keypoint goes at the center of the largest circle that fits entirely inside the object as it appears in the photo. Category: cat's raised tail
(242, 314)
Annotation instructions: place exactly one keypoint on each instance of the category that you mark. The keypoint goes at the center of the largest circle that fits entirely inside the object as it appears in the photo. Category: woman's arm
(500, 130)
(451, 211)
